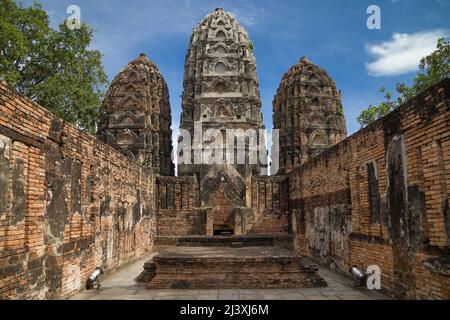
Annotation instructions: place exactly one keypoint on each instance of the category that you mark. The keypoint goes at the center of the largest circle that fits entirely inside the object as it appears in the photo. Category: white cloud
(247, 19)
(403, 52)
(247, 14)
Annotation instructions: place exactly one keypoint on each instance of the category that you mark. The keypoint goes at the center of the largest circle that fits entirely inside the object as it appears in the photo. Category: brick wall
(179, 213)
(68, 203)
(380, 197)
(269, 206)
(177, 199)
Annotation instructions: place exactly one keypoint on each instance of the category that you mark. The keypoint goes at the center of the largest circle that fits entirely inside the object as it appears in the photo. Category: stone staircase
(245, 262)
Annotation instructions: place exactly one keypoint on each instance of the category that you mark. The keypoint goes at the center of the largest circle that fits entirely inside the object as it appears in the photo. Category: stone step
(237, 244)
(281, 240)
(148, 273)
(227, 268)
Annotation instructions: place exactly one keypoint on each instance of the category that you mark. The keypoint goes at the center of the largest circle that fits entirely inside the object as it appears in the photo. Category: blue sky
(331, 33)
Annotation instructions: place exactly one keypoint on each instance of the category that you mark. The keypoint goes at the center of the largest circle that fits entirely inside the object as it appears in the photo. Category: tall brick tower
(221, 91)
(135, 116)
(307, 110)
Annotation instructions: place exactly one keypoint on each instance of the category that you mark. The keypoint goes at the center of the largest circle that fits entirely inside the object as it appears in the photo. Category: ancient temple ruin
(70, 202)
(135, 117)
(221, 91)
(308, 111)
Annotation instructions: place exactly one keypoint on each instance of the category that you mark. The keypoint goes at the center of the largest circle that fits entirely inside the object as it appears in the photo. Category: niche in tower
(220, 87)
(220, 67)
(221, 34)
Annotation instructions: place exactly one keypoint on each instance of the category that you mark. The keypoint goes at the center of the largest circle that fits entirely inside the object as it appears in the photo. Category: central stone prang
(221, 91)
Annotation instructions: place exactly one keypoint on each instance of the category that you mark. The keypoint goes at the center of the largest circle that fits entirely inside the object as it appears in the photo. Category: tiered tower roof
(136, 118)
(307, 110)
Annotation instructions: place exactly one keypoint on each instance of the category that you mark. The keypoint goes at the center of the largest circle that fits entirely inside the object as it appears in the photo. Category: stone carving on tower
(307, 110)
(135, 116)
(221, 90)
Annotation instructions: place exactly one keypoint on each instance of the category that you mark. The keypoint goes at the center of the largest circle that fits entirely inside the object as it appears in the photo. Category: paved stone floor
(121, 286)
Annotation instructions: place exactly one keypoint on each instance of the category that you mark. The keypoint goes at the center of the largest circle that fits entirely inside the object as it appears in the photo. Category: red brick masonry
(380, 197)
(69, 203)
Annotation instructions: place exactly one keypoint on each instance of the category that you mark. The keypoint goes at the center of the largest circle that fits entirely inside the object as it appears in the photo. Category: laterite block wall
(381, 197)
(68, 203)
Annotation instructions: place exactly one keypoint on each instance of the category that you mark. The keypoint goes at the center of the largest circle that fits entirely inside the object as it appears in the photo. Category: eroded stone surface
(223, 267)
(136, 116)
(308, 111)
(221, 90)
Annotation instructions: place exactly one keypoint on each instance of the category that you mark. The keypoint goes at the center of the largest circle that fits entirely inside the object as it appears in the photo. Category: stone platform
(220, 267)
(120, 285)
(281, 240)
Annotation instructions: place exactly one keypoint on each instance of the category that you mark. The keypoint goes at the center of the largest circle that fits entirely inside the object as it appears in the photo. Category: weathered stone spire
(304, 60)
(136, 117)
(221, 89)
(307, 110)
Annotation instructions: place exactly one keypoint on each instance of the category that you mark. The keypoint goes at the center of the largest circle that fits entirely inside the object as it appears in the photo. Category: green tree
(433, 69)
(55, 68)
(373, 113)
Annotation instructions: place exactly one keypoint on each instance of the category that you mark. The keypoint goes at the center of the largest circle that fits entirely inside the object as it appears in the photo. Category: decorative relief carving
(224, 57)
(136, 111)
(305, 106)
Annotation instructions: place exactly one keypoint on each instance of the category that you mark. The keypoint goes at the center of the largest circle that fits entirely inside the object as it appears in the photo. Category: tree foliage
(55, 68)
(373, 113)
(433, 69)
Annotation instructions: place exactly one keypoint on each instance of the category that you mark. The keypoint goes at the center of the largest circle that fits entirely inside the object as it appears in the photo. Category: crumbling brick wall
(68, 203)
(179, 212)
(177, 202)
(380, 197)
(269, 206)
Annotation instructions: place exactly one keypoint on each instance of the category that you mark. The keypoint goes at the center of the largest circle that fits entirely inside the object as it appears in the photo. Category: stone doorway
(223, 230)
(223, 211)
(223, 195)
(223, 221)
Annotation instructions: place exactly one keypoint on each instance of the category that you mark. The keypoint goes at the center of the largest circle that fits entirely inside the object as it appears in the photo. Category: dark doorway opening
(223, 230)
